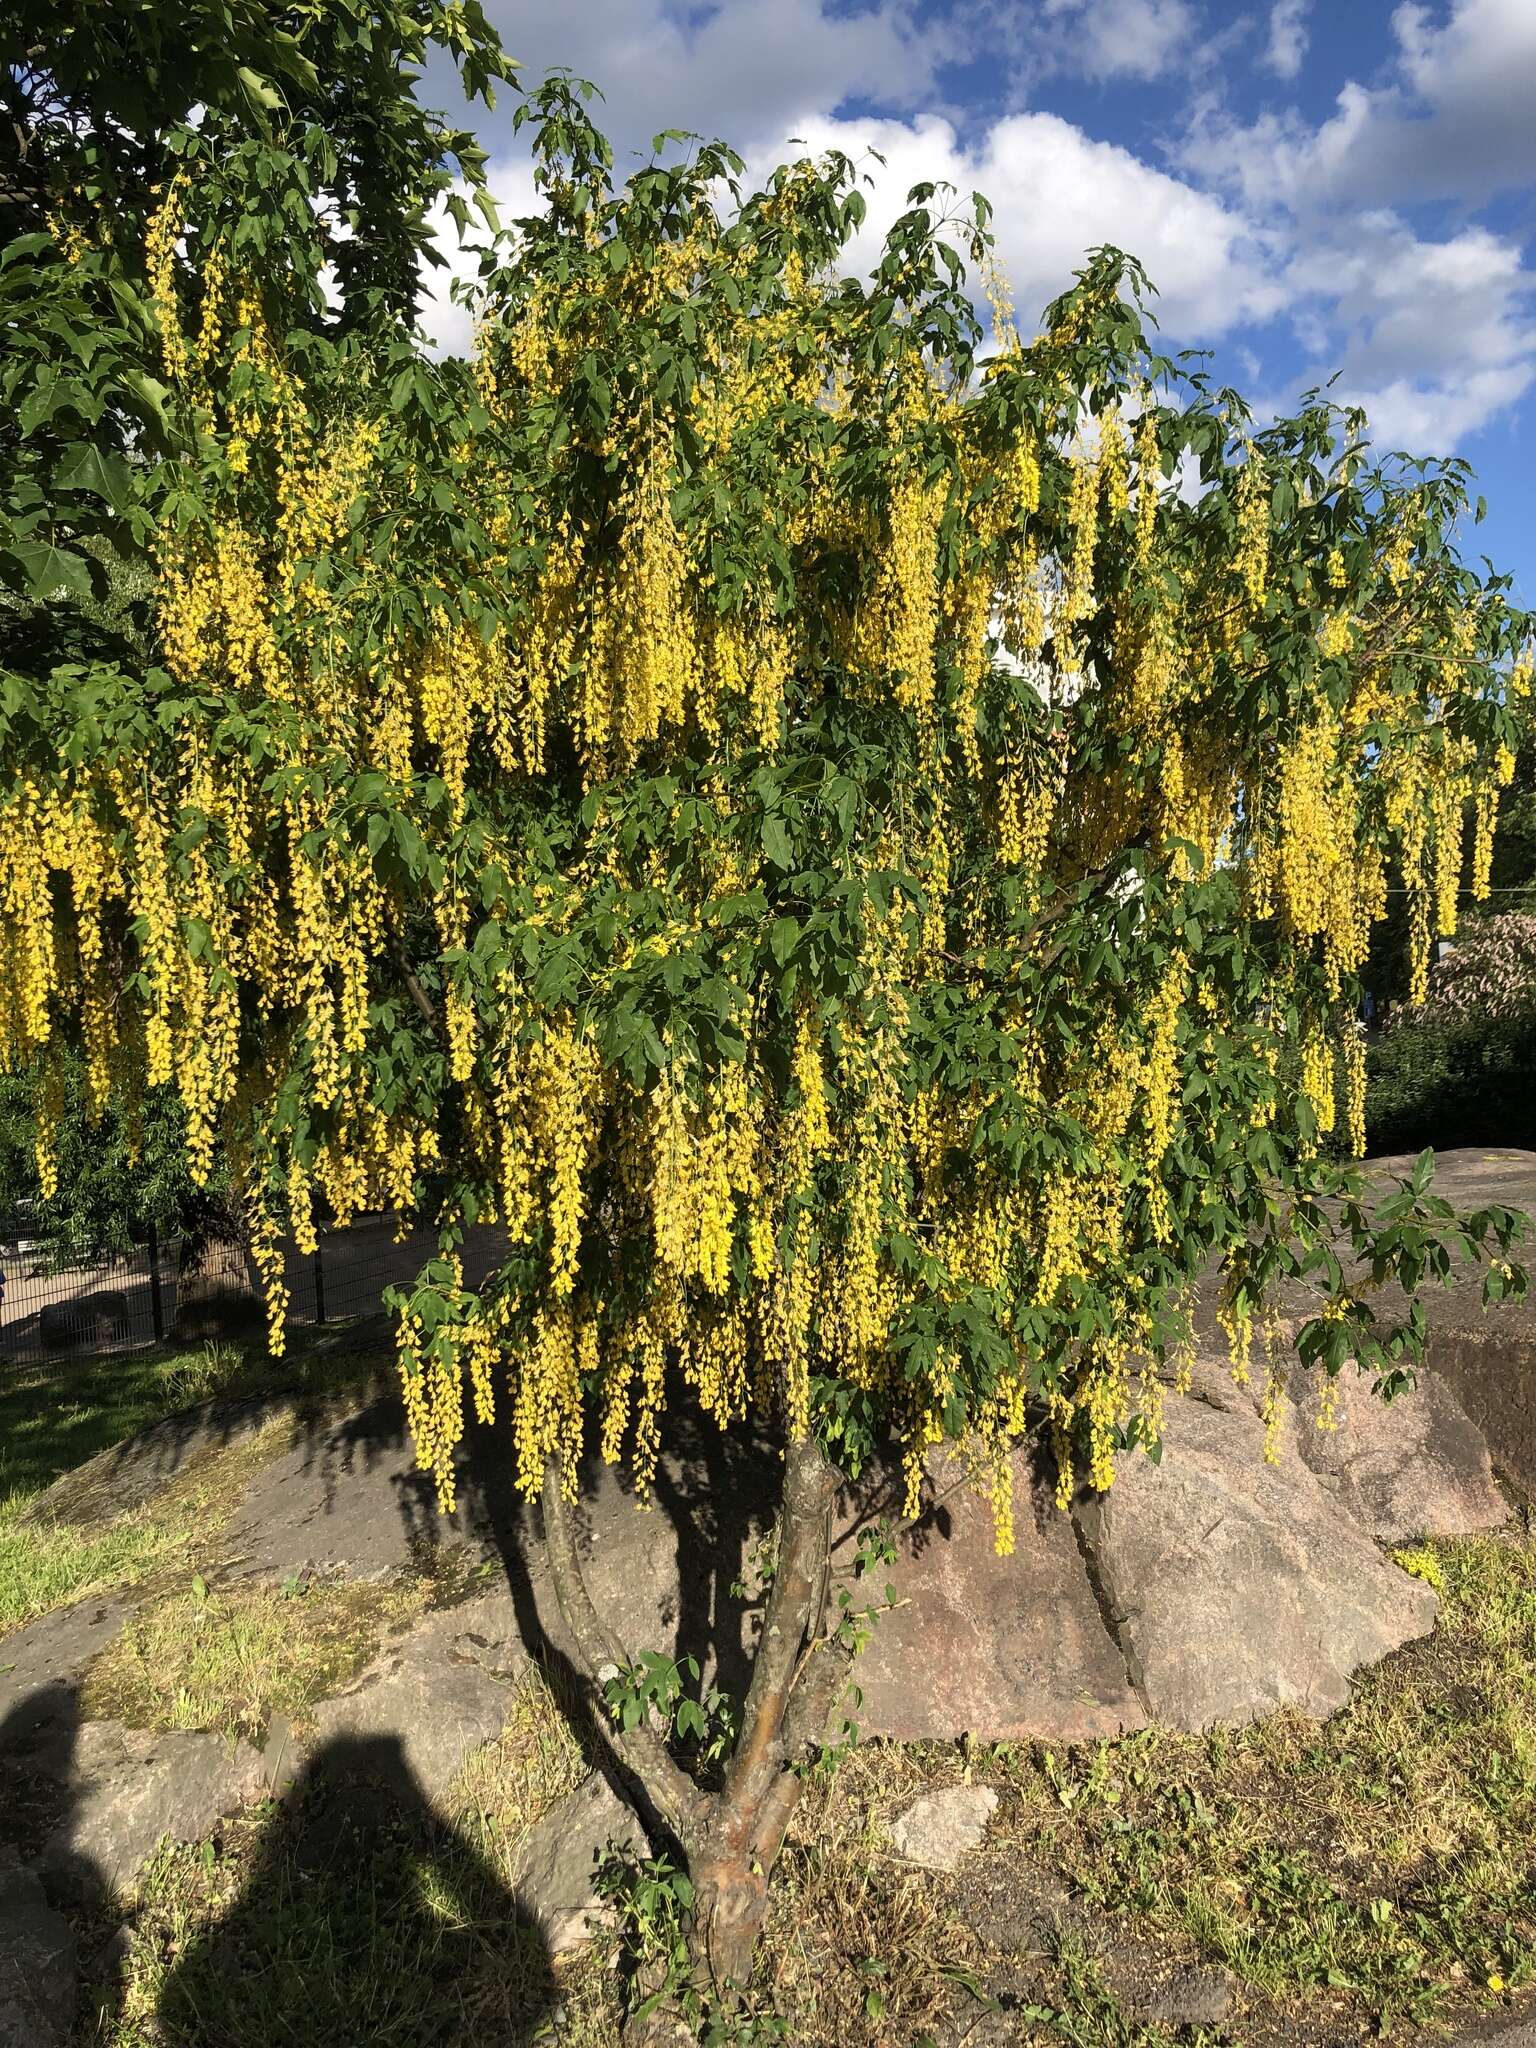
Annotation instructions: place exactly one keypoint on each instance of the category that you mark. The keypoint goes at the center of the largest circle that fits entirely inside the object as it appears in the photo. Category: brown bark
(672, 1793)
(215, 1292)
(792, 1614)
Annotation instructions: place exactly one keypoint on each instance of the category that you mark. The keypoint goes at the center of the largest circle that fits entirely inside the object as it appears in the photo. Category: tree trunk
(730, 1906)
(731, 1839)
(215, 1292)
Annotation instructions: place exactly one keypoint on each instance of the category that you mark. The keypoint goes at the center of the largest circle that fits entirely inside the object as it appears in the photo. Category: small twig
(831, 1636)
(418, 994)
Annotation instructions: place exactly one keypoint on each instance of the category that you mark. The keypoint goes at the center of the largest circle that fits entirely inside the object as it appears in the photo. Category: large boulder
(343, 1494)
(1491, 1364)
(998, 1647)
(41, 1664)
(1235, 1587)
(1003, 1648)
(128, 1789)
(1487, 1357)
(1416, 1466)
(100, 1318)
(38, 1992)
(432, 1695)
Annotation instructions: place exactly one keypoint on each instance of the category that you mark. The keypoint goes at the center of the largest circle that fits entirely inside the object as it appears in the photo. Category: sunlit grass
(1388, 1855)
(47, 1562)
(229, 1660)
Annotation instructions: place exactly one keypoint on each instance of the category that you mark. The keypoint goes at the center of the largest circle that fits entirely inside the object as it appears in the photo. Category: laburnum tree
(848, 833)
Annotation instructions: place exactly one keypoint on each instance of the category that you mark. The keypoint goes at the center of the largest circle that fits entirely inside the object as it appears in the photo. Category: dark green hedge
(1440, 1086)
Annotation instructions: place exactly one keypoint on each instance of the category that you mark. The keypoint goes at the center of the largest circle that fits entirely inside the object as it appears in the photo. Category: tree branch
(641, 1751)
(792, 1613)
(417, 993)
(817, 1695)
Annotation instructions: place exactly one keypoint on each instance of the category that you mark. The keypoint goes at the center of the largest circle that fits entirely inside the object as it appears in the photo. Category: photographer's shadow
(366, 1916)
(355, 1912)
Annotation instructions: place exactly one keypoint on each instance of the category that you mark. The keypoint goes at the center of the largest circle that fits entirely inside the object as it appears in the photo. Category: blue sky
(1315, 185)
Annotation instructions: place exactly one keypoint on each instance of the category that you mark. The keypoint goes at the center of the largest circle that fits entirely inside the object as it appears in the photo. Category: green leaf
(85, 468)
(47, 570)
(776, 841)
(783, 937)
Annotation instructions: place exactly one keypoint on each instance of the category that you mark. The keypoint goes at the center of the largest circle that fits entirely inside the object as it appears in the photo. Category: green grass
(56, 1413)
(46, 1563)
(43, 1566)
(1385, 1859)
(229, 1660)
(1357, 1878)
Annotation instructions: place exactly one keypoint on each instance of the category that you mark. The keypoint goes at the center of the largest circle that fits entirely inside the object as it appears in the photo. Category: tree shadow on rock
(715, 1498)
(362, 1915)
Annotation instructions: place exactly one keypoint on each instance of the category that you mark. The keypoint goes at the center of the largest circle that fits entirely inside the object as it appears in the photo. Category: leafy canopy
(852, 847)
(316, 169)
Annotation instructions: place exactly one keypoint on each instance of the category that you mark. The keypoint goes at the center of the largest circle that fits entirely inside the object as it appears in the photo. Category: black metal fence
(49, 1311)
(105, 1306)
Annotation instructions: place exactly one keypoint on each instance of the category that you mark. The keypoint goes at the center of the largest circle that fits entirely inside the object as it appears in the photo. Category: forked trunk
(731, 1839)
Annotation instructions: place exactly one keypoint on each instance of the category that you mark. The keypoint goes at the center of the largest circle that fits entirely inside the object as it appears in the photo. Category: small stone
(112, 1957)
(1194, 1996)
(941, 1827)
(560, 1858)
(1508, 2031)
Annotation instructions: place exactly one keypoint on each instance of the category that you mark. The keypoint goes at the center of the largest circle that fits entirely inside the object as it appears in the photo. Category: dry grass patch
(509, 1784)
(230, 1660)
(860, 1949)
(1382, 1863)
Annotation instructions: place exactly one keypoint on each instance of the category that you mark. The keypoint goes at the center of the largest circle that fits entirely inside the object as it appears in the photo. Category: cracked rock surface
(1234, 1587)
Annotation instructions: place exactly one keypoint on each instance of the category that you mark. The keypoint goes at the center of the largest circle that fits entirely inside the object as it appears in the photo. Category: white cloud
(1288, 35)
(1268, 216)
(1057, 193)
(738, 70)
(1438, 418)
(1435, 335)
(1122, 38)
(445, 320)
(1456, 120)
(1434, 338)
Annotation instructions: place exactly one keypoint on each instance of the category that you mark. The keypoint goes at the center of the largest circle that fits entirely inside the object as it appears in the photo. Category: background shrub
(1459, 1070)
